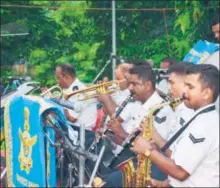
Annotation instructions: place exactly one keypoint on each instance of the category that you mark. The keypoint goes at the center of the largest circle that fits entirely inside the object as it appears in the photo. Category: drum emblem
(27, 143)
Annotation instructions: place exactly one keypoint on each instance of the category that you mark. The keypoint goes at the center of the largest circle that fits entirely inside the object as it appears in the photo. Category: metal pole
(82, 158)
(113, 38)
(13, 34)
(96, 166)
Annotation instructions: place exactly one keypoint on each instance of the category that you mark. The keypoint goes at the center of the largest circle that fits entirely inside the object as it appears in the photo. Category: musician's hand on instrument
(69, 117)
(153, 144)
(99, 82)
(43, 89)
(103, 97)
(142, 126)
(114, 125)
(140, 145)
(105, 79)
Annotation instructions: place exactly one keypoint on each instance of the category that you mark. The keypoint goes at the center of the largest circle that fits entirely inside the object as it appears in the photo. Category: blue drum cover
(200, 52)
(28, 162)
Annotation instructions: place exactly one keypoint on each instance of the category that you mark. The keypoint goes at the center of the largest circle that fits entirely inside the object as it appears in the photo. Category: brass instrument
(95, 90)
(142, 175)
(53, 92)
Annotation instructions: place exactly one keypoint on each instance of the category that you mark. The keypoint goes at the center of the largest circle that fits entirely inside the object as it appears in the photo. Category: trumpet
(95, 90)
(53, 92)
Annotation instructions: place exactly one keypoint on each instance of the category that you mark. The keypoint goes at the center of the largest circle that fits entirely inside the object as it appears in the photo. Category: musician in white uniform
(176, 85)
(85, 112)
(67, 80)
(193, 158)
(142, 84)
(111, 102)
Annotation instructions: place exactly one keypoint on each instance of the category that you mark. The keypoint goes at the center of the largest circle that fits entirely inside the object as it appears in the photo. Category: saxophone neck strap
(180, 131)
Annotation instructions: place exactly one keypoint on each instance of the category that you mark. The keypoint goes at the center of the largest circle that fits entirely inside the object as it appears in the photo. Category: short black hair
(170, 60)
(209, 77)
(67, 69)
(144, 72)
(215, 20)
(136, 61)
(179, 68)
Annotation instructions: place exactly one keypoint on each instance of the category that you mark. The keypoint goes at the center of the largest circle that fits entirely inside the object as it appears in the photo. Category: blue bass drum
(30, 158)
(200, 52)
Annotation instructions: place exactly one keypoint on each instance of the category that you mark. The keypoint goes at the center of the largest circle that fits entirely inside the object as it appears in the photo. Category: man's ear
(207, 93)
(148, 85)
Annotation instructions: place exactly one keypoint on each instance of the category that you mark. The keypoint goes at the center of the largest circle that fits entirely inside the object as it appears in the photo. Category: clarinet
(117, 113)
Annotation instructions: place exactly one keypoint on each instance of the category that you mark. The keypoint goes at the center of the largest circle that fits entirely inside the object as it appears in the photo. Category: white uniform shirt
(138, 112)
(76, 85)
(88, 116)
(163, 86)
(180, 116)
(197, 151)
(120, 96)
(85, 111)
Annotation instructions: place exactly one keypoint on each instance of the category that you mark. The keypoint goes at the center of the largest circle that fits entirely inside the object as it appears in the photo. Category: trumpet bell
(53, 92)
(94, 91)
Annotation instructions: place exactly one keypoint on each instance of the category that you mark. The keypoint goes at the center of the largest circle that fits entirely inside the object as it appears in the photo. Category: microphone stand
(102, 70)
(107, 63)
(96, 167)
(52, 122)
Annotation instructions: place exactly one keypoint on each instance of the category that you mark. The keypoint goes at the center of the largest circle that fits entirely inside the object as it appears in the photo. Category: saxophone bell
(141, 176)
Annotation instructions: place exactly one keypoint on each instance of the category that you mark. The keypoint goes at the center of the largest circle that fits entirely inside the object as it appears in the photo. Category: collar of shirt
(182, 107)
(70, 88)
(153, 100)
(200, 109)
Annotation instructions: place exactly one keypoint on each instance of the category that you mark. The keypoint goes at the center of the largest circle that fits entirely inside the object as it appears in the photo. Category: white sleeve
(88, 116)
(192, 148)
(163, 121)
(126, 112)
(77, 105)
(130, 110)
(163, 86)
(134, 121)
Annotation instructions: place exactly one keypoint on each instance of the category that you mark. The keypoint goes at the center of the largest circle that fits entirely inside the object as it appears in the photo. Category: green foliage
(85, 56)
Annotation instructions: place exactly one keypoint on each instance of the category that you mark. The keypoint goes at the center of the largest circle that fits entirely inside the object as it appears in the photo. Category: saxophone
(141, 176)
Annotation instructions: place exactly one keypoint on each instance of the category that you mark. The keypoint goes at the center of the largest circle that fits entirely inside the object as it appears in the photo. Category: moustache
(184, 97)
